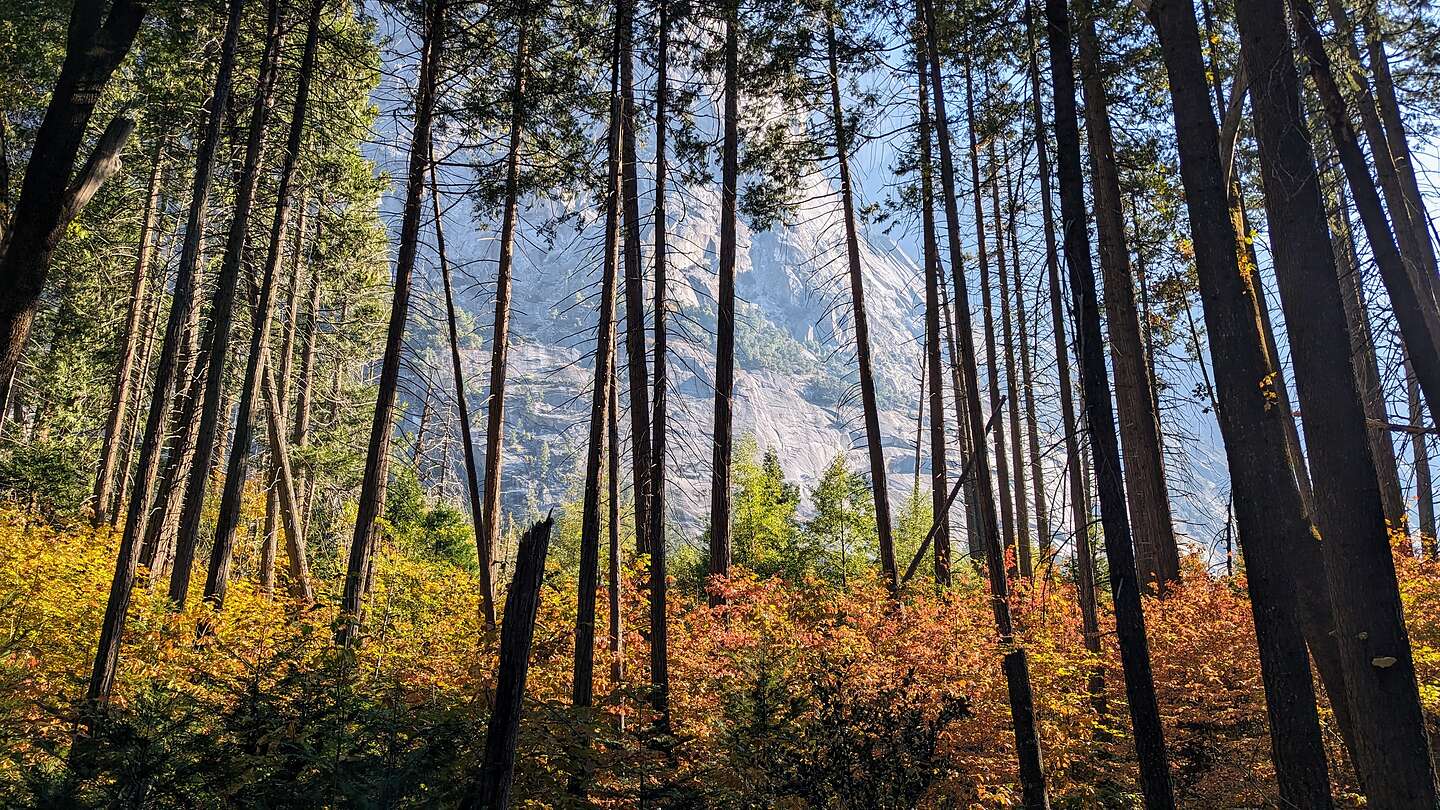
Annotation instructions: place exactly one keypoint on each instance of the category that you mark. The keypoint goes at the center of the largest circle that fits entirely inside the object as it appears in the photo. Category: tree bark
(489, 538)
(1424, 486)
(96, 42)
(1124, 584)
(1017, 453)
(725, 319)
(1157, 556)
(287, 351)
(125, 368)
(122, 584)
(491, 789)
(659, 587)
(1016, 664)
(874, 442)
(237, 467)
(1269, 511)
(289, 502)
(377, 460)
(1391, 750)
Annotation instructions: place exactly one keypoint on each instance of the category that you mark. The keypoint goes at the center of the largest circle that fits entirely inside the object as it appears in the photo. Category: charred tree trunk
(1016, 664)
(124, 370)
(725, 324)
(1156, 554)
(238, 465)
(1269, 511)
(122, 584)
(97, 41)
(377, 460)
(491, 790)
(489, 538)
(1124, 584)
(873, 440)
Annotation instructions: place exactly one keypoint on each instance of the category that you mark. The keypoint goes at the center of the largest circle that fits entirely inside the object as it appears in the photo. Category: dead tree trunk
(491, 790)
(1124, 584)
(124, 370)
(377, 459)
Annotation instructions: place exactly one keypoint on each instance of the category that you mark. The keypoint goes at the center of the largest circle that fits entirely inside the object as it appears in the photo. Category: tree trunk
(873, 440)
(1016, 664)
(583, 690)
(1269, 511)
(1027, 388)
(725, 320)
(1124, 587)
(377, 460)
(939, 487)
(122, 584)
(491, 789)
(1410, 295)
(289, 502)
(1390, 746)
(237, 468)
(124, 369)
(1002, 470)
(96, 42)
(616, 636)
(1424, 486)
(300, 425)
(462, 408)
(659, 629)
(635, 360)
(1017, 453)
(126, 443)
(489, 538)
(1157, 557)
(215, 344)
(287, 352)
(1075, 460)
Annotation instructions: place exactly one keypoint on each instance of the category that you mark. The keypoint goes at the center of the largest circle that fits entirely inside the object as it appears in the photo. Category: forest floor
(795, 695)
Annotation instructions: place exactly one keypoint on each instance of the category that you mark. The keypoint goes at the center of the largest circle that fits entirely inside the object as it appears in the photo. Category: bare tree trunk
(616, 637)
(96, 42)
(1124, 584)
(124, 472)
(583, 690)
(215, 345)
(1016, 664)
(377, 460)
(300, 425)
(124, 370)
(1424, 486)
(934, 285)
(873, 440)
(636, 368)
(1156, 555)
(289, 502)
(489, 537)
(492, 784)
(237, 467)
(122, 584)
(287, 351)
(725, 323)
(1027, 386)
(1269, 511)
(1389, 739)
(1017, 453)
